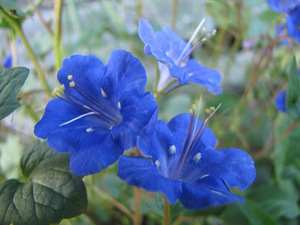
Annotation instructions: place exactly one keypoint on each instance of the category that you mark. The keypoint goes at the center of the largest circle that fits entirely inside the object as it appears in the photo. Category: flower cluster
(292, 9)
(101, 111)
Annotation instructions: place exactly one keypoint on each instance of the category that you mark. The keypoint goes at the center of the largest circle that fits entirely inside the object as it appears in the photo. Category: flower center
(193, 138)
(82, 99)
(187, 51)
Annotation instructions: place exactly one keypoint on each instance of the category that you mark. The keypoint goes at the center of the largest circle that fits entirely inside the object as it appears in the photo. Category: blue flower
(184, 164)
(100, 112)
(293, 23)
(292, 8)
(173, 56)
(280, 101)
(7, 62)
(283, 5)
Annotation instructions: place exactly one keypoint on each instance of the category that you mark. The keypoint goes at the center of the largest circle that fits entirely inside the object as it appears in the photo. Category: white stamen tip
(157, 164)
(172, 150)
(103, 93)
(90, 129)
(119, 105)
(70, 77)
(197, 157)
(206, 175)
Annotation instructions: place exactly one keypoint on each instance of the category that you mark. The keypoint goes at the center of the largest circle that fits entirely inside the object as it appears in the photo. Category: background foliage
(255, 64)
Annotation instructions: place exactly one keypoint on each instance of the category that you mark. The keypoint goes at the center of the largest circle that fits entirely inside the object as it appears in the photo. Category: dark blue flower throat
(89, 105)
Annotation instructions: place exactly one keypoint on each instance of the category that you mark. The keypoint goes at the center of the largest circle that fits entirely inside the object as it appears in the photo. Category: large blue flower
(184, 164)
(173, 56)
(100, 112)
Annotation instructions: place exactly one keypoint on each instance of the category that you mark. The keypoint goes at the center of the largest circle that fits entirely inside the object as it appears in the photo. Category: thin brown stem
(271, 143)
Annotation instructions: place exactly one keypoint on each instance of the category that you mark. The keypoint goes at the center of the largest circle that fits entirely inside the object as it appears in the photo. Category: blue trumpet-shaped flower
(100, 111)
(292, 8)
(184, 164)
(173, 56)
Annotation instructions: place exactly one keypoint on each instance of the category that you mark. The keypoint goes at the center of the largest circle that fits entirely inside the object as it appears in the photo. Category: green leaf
(293, 91)
(11, 80)
(50, 194)
(255, 214)
(11, 8)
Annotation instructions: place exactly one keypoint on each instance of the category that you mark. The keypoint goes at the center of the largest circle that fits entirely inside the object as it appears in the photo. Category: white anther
(197, 157)
(90, 129)
(103, 93)
(172, 150)
(157, 164)
(190, 74)
(206, 175)
(119, 105)
(70, 77)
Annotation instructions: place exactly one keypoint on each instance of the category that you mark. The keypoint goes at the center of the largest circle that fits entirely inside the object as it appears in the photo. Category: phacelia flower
(173, 56)
(100, 111)
(292, 8)
(280, 101)
(184, 164)
(7, 63)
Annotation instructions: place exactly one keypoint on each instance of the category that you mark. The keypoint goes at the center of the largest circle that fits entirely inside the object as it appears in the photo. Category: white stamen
(119, 105)
(157, 164)
(206, 175)
(197, 116)
(103, 93)
(77, 118)
(190, 41)
(90, 129)
(190, 74)
(172, 150)
(197, 157)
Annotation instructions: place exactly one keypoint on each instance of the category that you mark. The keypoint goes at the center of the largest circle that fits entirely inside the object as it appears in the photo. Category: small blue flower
(280, 101)
(184, 164)
(283, 5)
(100, 112)
(7, 62)
(173, 56)
(292, 8)
(293, 23)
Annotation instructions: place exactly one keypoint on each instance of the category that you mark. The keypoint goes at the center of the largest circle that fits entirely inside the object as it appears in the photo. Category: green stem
(174, 13)
(136, 216)
(166, 87)
(57, 40)
(17, 27)
(167, 212)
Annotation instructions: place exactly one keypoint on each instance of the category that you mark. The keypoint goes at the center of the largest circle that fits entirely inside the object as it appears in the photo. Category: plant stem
(272, 143)
(57, 40)
(136, 216)
(174, 13)
(17, 27)
(167, 212)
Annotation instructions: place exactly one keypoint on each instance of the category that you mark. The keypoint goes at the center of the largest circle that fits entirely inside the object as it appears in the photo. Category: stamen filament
(190, 41)
(77, 118)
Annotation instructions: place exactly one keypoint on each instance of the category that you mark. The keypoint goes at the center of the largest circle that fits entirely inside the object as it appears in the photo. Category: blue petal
(199, 74)
(142, 173)
(146, 33)
(94, 152)
(280, 101)
(234, 166)
(293, 23)
(205, 193)
(125, 75)
(136, 112)
(87, 71)
(283, 5)
(64, 138)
